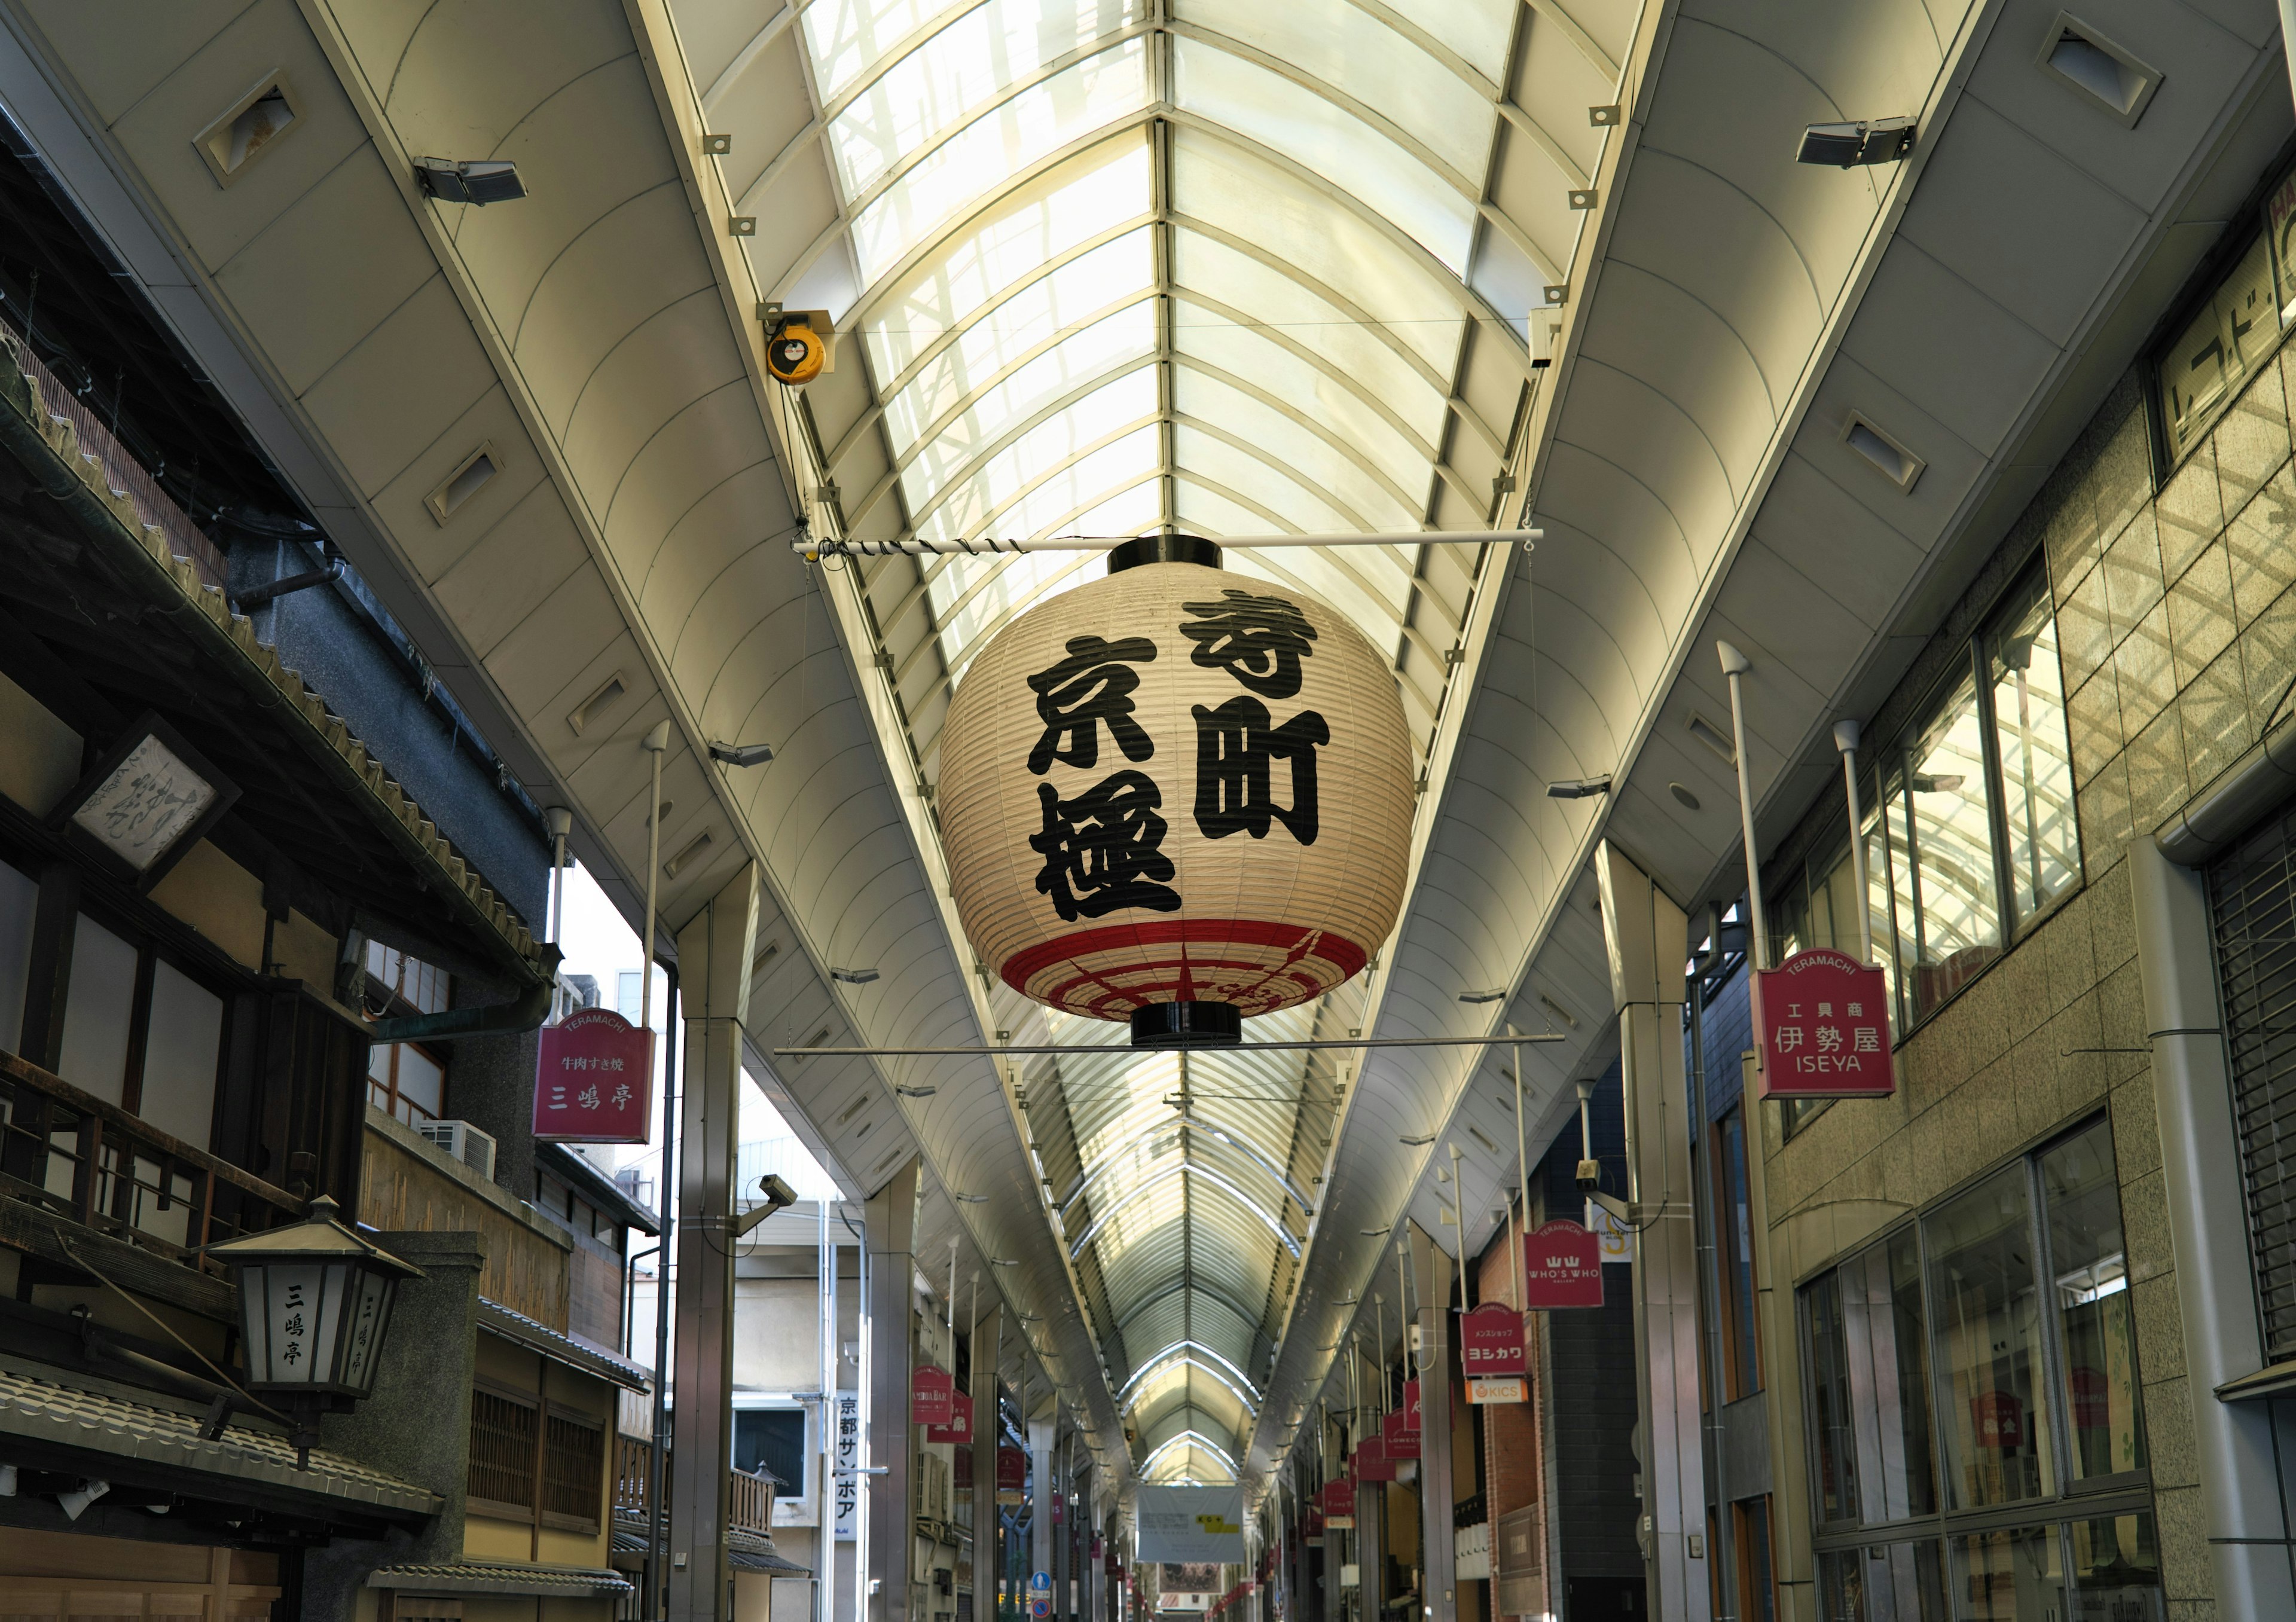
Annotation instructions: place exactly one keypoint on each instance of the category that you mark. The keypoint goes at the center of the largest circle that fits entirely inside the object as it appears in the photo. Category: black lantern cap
(318, 1237)
(1164, 549)
(1171, 1025)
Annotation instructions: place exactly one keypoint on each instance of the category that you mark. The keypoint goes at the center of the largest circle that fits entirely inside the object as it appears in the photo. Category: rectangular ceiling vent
(765, 955)
(1880, 452)
(608, 694)
(1488, 1147)
(684, 858)
(458, 487)
(2100, 70)
(1713, 737)
(252, 126)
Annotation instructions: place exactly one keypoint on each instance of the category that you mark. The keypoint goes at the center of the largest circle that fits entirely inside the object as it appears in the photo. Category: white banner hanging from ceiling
(1192, 1523)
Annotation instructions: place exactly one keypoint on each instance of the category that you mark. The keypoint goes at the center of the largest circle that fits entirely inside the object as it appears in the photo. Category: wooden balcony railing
(70, 1154)
(752, 1500)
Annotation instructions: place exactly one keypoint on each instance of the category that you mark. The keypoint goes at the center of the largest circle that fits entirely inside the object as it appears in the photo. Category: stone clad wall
(2177, 616)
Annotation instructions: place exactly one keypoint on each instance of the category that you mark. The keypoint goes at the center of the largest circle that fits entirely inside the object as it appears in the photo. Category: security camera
(794, 352)
(1590, 1177)
(741, 754)
(778, 1196)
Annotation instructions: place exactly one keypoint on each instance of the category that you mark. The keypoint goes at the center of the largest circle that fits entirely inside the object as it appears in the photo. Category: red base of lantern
(1108, 973)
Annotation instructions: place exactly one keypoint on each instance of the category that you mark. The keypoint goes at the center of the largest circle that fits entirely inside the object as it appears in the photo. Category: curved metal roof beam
(1332, 373)
(1315, 429)
(1125, 1404)
(1237, 442)
(744, 58)
(1221, 1140)
(1184, 1168)
(895, 54)
(1210, 1291)
(1190, 1438)
(1163, 1356)
(791, 151)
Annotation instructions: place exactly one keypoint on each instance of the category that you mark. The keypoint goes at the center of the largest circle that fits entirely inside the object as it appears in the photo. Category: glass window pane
(1361, 57)
(1096, 92)
(1236, 471)
(2117, 1569)
(989, 49)
(1370, 503)
(1757, 1589)
(1316, 394)
(2097, 1331)
(1882, 1317)
(1992, 1400)
(1941, 853)
(1295, 121)
(2217, 351)
(1833, 1437)
(2008, 1576)
(181, 1056)
(848, 37)
(2036, 768)
(1475, 29)
(19, 898)
(1227, 187)
(978, 501)
(1741, 1343)
(1097, 191)
(96, 1011)
(422, 1082)
(1892, 1583)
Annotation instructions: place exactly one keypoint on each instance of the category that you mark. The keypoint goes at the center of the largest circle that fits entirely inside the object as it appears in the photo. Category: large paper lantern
(1176, 796)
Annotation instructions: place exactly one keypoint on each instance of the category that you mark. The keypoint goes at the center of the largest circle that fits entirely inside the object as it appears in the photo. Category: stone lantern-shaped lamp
(314, 1305)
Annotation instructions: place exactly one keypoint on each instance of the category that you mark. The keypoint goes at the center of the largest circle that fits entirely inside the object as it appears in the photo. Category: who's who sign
(594, 1081)
(1822, 1018)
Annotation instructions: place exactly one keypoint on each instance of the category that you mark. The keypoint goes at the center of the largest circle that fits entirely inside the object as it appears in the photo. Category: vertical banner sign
(931, 1397)
(1491, 1355)
(1822, 1019)
(594, 1081)
(959, 1428)
(848, 1459)
(1400, 1443)
(1563, 1264)
(1411, 1406)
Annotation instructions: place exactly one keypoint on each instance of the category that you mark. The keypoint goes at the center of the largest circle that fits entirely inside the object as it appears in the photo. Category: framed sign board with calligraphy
(1822, 1025)
(148, 800)
(594, 1082)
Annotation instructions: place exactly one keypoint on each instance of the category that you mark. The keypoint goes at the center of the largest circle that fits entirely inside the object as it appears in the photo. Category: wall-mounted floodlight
(1495, 994)
(854, 977)
(916, 1092)
(1847, 145)
(971, 1199)
(741, 754)
(476, 182)
(1579, 788)
(1417, 1142)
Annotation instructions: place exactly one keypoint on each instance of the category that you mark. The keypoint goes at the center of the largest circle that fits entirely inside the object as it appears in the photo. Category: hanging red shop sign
(594, 1082)
(1998, 1418)
(1562, 1266)
(1011, 1474)
(1340, 1503)
(959, 1428)
(1400, 1443)
(1411, 1406)
(1822, 1020)
(1371, 1461)
(1490, 1340)
(933, 1397)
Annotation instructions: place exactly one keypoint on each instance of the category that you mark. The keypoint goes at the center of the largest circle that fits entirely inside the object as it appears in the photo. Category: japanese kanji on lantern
(1176, 796)
(594, 1081)
(1822, 1018)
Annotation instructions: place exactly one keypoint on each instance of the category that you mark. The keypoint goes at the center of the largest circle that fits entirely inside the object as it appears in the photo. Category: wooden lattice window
(574, 1469)
(502, 1454)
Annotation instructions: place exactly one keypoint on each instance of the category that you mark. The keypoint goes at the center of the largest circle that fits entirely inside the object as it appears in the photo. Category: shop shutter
(2253, 895)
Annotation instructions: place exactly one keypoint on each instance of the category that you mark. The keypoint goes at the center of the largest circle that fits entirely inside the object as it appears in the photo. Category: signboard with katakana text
(1821, 1027)
(594, 1083)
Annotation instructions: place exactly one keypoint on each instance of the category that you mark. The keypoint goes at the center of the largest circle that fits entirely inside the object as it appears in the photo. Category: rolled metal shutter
(2252, 896)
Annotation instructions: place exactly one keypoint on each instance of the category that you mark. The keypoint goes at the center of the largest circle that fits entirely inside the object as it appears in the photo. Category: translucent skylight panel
(954, 175)
(1315, 459)
(1076, 293)
(847, 38)
(1227, 187)
(1145, 1212)
(1055, 504)
(982, 500)
(1476, 29)
(1036, 384)
(1268, 297)
(1358, 56)
(1012, 584)
(1248, 472)
(1358, 161)
(1093, 192)
(1315, 394)
(988, 51)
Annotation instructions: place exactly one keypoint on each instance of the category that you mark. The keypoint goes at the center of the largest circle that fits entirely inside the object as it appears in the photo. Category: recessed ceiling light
(1682, 796)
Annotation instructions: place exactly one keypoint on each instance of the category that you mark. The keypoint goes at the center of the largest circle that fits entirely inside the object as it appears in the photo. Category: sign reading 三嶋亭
(1562, 1266)
(594, 1081)
(959, 1428)
(932, 1396)
(1822, 1028)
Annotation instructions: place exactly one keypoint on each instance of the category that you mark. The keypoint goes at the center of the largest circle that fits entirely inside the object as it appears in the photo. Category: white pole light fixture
(314, 1303)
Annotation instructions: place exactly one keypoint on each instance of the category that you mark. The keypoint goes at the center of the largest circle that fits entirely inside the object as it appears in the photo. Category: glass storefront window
(2008, 1576)
(2096, 1333)
(1833, 1436)
(1992, 1394)
(1940, 819)
(1888, 1376)
(2117, 1569)
(1882, 1583)
(1741, 1333)
(2043, 851)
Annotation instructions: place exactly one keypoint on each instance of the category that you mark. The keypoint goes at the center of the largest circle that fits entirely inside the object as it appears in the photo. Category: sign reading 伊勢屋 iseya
(1822, 1020)
(594, 1081)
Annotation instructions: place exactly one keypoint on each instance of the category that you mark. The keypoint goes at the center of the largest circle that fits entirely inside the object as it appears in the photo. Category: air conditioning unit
(464, 1142)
